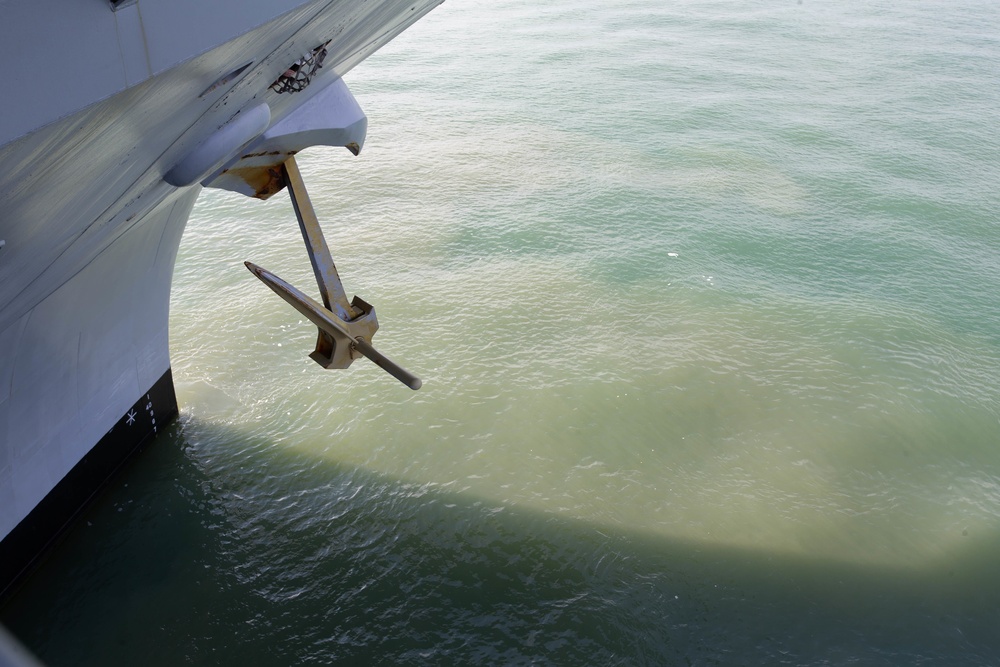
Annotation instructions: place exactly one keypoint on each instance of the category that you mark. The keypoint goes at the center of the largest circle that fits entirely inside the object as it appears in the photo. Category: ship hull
(90, 383)
(96, 187)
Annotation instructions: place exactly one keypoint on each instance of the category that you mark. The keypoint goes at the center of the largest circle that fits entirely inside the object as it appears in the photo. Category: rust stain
(265, 181)
(266, 154)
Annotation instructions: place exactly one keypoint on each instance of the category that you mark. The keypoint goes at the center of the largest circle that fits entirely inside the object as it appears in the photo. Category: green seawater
(705, 296)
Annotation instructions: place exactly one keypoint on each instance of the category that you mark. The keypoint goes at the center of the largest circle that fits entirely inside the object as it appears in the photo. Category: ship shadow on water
(288, 559)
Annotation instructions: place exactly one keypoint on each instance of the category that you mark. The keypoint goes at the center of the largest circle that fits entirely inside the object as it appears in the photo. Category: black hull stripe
(25, 546)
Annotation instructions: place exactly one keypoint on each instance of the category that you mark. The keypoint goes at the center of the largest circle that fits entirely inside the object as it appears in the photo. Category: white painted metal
(99, 106)
(331, 117)
(220, 146)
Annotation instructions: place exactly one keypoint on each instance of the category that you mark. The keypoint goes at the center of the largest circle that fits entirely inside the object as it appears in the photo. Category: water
(706, 300)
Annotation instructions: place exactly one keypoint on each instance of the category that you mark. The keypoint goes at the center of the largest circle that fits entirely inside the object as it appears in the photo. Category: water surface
(705, 297)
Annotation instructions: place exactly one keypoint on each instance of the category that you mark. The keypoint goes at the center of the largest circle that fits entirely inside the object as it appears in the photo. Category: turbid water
(706, 300)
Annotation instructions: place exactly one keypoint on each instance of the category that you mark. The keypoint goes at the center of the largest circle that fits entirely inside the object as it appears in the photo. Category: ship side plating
(116, 115)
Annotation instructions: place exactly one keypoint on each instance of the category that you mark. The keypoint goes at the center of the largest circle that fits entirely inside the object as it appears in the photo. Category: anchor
(345, 328)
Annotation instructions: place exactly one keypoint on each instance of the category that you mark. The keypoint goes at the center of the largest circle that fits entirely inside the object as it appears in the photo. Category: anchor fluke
(348, 338)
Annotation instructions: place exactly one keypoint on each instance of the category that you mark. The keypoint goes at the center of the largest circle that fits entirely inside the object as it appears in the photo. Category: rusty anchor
(345, 328)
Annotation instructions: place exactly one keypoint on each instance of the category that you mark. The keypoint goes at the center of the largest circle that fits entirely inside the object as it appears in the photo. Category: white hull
(101, 164)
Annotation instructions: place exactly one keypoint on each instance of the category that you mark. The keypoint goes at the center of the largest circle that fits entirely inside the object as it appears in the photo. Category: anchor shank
(330, 286)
